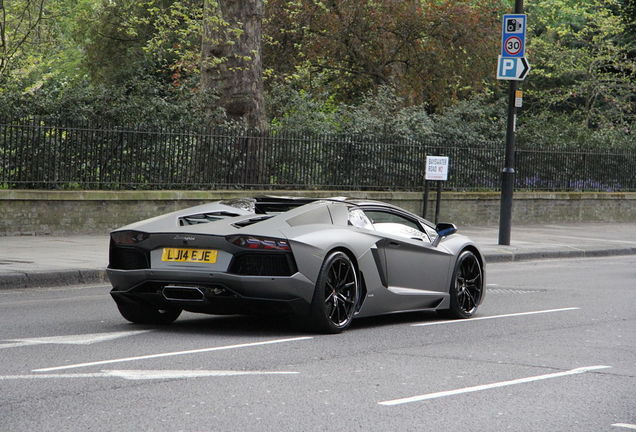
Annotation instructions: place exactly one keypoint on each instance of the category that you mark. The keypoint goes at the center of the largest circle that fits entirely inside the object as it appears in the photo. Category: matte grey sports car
(325, 261)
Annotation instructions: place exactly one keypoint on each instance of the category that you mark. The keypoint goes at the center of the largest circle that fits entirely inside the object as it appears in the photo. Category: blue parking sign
(512, 68)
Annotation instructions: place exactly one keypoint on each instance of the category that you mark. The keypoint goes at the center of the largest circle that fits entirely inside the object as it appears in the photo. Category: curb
(557, 254)
(43, 279)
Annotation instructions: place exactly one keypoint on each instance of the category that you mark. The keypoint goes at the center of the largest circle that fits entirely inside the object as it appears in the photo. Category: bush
(566, 132)
(140, 101)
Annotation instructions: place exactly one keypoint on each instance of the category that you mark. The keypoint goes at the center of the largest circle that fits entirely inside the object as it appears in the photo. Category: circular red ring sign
(513, 45)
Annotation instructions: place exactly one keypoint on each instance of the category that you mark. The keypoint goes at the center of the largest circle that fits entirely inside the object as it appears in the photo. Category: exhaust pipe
(180, 293)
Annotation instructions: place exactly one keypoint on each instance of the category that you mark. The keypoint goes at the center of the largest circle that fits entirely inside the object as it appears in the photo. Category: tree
(231, 58)
(123, 39)
(19, 22)
(582, 64)
(430, 51)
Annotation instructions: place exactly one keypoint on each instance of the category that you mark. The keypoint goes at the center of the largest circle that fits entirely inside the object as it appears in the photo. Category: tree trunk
(231, 58)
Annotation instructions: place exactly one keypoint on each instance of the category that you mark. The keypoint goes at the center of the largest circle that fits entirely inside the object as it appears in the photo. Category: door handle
(392, 243)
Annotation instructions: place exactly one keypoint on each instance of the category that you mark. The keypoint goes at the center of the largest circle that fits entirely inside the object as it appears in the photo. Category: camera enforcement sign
(512, 64)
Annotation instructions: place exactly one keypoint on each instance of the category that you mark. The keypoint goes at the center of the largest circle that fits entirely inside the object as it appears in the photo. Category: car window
(392, 223)
(432, 234)
(358, 219)
(377, 216)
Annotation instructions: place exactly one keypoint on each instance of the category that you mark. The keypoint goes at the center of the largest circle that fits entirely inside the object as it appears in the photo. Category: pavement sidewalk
(41, 261)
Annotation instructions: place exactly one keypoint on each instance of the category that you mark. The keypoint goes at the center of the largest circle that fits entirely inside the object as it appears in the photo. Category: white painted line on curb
(625, 425)
(175, 353)
(490, 386)
(459, 321)
(147, 374)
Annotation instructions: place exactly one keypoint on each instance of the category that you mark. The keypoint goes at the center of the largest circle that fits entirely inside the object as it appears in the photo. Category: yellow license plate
(189, 255)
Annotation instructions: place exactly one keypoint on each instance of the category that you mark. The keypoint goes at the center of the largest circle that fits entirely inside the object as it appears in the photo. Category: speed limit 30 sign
(513, 46)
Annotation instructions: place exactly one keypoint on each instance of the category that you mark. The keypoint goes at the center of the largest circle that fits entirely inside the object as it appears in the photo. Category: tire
(336, 295)
(140, 313)
(467, 287)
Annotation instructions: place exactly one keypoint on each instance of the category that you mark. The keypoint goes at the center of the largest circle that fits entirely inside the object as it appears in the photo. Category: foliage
(430, 51)
(384, 114)
(378, 114)
(561, 131)
(118, 61)
(407, 69)
(37, 42)
(19, 21)
(298, 111)
(581, 62)
(138, 102)
(126, 37)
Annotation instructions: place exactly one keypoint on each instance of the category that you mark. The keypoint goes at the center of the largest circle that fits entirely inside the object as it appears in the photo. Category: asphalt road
(69, 362)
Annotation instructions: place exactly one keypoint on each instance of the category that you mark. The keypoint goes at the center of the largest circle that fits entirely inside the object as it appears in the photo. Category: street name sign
(511, 68)
(436, 168)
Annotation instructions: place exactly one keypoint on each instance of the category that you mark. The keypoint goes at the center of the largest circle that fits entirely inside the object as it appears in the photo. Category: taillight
(263, 243)
(128, 237)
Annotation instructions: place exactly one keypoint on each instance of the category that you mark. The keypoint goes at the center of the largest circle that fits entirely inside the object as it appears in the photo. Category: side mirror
(443, 230)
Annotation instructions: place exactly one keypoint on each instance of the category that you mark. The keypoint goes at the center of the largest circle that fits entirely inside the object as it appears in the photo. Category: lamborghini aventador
(323, 261)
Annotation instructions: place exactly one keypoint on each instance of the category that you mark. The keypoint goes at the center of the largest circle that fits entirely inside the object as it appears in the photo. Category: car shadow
(403, 318)
(232, 325)
(272, 326)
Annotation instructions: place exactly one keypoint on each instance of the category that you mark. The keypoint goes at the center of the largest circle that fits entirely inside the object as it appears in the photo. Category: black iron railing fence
(49, 154)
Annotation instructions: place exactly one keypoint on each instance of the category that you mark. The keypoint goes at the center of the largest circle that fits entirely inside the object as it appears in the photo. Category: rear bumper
(221, 293)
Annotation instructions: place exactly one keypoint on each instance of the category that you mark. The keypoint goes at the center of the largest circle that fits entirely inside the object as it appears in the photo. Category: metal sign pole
(438, 199)
(437, 171)
(425, 203)
(508, 174)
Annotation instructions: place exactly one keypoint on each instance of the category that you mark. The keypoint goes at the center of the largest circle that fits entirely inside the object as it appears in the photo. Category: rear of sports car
(200, 272)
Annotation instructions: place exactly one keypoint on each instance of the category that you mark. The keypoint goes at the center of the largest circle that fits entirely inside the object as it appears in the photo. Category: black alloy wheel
(336, 295)
(467, 286)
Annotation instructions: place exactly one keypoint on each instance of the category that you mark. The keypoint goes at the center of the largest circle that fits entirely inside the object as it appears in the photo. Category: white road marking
(175, 353)
(490, 386)
(85, 339)
(625, 425)
(15, 345)
(147, 374)
(459, 321)
(50, 376)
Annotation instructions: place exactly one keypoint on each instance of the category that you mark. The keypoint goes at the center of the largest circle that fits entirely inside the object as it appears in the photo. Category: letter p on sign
(508, 67)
